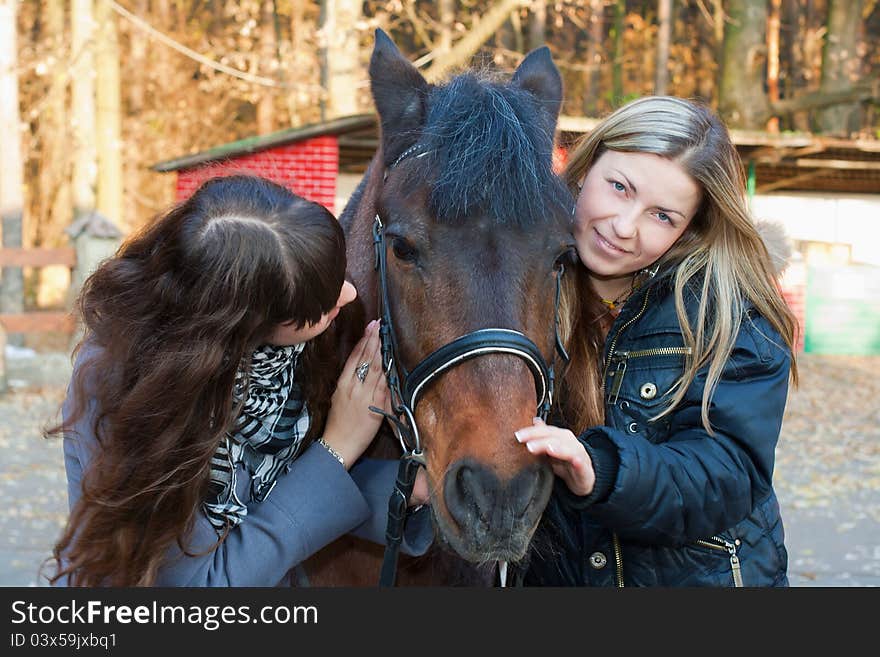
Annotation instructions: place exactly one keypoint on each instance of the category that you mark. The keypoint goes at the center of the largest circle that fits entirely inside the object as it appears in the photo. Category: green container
(843, 310)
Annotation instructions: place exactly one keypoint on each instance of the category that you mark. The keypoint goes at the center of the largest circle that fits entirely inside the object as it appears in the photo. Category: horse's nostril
(467, 495)
(523, 487)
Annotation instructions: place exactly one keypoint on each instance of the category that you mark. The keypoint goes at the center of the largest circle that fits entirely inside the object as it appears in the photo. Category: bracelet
(332, 451)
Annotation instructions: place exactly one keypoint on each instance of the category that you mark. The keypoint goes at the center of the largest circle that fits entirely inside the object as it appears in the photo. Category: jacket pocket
(725, 545)
(638, 385)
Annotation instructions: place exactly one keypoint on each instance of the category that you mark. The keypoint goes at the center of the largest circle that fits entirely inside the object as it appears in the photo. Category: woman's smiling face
(631, 209)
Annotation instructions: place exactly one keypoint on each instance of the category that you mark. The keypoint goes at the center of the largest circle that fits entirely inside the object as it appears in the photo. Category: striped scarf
(265, 438)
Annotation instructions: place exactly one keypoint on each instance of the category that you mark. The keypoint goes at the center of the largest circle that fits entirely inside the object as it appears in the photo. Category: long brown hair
(721, 253)
(173, 315)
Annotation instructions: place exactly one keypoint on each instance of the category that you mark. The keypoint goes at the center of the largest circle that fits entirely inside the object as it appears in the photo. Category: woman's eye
(618, 187)
(662, 216)
(402, 250)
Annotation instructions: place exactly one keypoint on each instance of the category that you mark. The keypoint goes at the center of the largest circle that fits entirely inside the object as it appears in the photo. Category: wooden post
(95, 239)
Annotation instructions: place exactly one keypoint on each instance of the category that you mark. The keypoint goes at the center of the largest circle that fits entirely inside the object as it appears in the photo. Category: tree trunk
(617, 49)
(297, 70)
(594, 57)
(707, 62)
(519, 43)
(742, 100)
(11, 165)
(537, 24)
(718, 25)
(461, 53)
(138, 55)
(340, 66)
(267, 67)
(773, 24)
(447, 22)
(109, 114)
(840, 66)
(164, 67)
(664, 36)
(53, 209)
(792, 33)
(83, 104)
(506, 37)
(54, 212)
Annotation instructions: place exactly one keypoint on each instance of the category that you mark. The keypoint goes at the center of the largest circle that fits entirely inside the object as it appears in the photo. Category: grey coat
(314, 503)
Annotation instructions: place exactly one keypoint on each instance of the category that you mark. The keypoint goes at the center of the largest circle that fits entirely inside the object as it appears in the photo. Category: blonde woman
(681, 354)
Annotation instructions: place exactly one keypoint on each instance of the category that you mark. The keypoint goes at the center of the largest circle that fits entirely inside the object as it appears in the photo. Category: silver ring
(361, 371)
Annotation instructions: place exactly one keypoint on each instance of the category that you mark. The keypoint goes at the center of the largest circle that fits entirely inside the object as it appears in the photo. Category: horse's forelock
(488, 151)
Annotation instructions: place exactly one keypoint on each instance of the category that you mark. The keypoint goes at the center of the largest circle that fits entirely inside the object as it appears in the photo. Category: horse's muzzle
(493, 519)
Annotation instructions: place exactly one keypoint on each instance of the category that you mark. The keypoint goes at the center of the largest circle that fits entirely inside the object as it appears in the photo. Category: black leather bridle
(406, 387)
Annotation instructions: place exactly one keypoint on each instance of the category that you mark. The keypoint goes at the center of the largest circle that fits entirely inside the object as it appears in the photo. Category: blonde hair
(721, 244)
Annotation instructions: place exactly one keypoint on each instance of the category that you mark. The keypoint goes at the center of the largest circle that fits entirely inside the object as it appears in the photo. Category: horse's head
(476, 226)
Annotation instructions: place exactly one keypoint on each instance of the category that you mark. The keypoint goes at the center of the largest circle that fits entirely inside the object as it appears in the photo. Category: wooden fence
(37, 321)
(94, 238)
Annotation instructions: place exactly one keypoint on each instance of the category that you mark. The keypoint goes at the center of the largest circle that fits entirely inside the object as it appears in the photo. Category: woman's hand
(568, 458)
(351, 426)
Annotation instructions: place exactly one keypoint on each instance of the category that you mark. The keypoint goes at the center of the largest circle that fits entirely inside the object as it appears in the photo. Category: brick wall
(308, 168)
(560, 157)
(794, 291)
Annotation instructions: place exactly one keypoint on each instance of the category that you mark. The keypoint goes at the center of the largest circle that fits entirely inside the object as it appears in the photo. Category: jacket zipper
(618, 560)
(622, 357)
(617, 335)
(618, 555)
(730, 548)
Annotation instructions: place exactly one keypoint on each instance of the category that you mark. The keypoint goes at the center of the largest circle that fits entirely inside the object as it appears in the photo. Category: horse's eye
(403, 250)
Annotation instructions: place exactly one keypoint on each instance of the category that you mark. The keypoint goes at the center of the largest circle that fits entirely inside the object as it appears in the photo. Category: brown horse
(476, 226)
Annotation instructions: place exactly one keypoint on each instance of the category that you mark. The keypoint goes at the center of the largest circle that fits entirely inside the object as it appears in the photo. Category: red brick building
(306, 160)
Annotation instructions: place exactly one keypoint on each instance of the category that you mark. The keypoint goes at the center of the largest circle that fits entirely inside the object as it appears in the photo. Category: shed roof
(340, 126)
(790, 160)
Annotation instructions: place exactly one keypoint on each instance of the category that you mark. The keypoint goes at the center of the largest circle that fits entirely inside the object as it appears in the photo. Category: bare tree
(268, 62)
(664, 36)
(742, 99)
(138, 54)
(596, 38)
(461, 53)
(109, 113)
(54, 211)
(447, 25)
(840, 66)
(11, 168)
(341, 68)
(773, 25)
(537, 24)
(617, 48)
(83, 107)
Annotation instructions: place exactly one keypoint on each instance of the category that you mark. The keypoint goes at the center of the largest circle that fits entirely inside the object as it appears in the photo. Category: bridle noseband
(406, 388)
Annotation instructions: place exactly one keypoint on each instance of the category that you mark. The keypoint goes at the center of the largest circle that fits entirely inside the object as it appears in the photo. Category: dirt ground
(827, 471)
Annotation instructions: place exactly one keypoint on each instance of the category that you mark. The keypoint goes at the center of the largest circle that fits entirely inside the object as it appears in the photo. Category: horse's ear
(399, 92)
(538, 74)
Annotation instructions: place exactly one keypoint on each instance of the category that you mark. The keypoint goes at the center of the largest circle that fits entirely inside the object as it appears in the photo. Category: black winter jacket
(674, 505)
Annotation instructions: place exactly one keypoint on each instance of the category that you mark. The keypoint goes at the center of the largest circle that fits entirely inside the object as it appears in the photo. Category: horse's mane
(488, 150)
